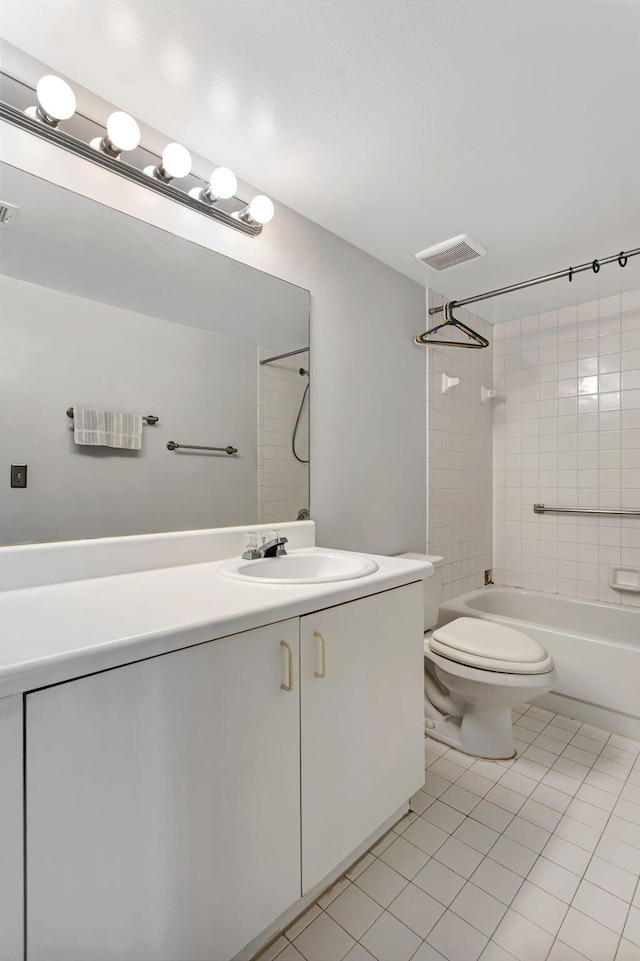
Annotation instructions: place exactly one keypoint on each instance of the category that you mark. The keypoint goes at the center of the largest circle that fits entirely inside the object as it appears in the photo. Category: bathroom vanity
(200, 755)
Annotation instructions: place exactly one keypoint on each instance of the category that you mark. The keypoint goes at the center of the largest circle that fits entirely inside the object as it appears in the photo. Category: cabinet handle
(289, 685)
(323, 656)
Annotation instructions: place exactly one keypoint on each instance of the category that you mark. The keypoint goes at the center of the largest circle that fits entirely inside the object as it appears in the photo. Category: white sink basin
(305, 566)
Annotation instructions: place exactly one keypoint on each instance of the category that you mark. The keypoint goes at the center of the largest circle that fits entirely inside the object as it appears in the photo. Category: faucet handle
(273, 535)
(251, 541)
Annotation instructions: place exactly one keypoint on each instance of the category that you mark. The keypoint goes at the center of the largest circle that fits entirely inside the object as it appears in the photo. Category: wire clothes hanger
(479, 340)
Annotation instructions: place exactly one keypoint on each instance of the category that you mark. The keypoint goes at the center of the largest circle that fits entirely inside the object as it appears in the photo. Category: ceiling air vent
(452, 252)
(8, 213)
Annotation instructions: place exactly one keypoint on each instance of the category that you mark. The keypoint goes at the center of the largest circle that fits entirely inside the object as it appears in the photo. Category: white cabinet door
(163, 804)
(362, 718)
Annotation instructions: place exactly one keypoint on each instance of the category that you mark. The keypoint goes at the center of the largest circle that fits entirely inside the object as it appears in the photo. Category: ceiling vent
(8, 214)
(451, 253)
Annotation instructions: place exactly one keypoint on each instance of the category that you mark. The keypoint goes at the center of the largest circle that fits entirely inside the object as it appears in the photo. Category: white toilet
(475, 671)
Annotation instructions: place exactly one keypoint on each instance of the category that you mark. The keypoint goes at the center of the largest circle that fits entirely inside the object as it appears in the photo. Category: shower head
(303, 372)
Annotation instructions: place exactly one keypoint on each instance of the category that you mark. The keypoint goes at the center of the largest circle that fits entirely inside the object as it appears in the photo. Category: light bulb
(261, 209)
(176, 161)
(123, 132)
(56, 101)
(223, 183)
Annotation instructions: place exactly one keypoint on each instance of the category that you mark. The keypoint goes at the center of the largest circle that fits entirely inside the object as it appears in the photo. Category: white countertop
(56, 632)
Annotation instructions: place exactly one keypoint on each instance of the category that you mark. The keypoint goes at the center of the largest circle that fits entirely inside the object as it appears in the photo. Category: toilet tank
(432, 587)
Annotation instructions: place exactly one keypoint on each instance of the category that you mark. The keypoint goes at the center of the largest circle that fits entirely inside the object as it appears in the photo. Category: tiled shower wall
(460, 459)
(567, 433)
(283, 482)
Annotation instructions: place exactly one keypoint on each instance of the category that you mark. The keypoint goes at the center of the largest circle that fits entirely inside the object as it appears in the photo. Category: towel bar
(173, 446)
(150, 418)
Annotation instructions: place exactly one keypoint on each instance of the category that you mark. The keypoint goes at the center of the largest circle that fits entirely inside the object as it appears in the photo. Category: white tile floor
(536, 859)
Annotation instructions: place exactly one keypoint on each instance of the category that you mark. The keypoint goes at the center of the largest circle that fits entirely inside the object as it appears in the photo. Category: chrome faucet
(272, 548)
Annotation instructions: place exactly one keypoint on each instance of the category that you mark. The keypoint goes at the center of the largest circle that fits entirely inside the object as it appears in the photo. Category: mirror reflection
(116, 323)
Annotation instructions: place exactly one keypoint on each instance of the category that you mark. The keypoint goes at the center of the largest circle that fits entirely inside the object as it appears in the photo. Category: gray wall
(368, 405)
(57, 350)
(368, 383)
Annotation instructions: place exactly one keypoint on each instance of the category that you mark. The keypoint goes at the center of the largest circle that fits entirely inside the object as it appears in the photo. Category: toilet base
(482, 727)
(485, 731)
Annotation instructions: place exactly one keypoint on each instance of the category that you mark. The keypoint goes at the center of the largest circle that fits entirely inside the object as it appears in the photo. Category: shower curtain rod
(595, 266)
(289, 353)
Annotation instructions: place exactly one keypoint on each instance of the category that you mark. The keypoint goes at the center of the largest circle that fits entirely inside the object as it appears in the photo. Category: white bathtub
(596, 649)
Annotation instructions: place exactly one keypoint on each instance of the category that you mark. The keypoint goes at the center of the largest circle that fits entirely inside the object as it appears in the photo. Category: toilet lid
(480, 643)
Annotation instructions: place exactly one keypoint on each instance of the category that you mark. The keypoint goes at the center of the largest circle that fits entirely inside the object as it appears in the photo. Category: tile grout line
(467, 815)
(593, 854)
(602, 834)
(540, 854)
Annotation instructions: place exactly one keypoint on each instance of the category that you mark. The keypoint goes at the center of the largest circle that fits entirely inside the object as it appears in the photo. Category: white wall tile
(570, 437)
(283, 482)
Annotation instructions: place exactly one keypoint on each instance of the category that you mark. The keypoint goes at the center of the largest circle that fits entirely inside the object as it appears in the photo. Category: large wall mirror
(101, 311)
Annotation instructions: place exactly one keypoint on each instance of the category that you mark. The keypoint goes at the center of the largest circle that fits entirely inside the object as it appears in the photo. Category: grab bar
(541, 509)
(171, 445)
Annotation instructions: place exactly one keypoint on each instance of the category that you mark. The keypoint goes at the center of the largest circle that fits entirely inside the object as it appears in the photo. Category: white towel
(107, 428)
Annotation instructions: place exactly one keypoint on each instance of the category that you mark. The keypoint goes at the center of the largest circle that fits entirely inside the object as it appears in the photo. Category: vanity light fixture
(123, 133)
(259, 211)
(56, 101)
(176, 163)
(222, 186)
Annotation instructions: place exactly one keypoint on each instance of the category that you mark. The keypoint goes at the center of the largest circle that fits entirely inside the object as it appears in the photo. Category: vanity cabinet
(362, 719)
(163, 804)
(164, 813)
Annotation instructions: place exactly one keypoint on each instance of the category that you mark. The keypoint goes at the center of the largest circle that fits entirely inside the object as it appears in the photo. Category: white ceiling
(394, 123)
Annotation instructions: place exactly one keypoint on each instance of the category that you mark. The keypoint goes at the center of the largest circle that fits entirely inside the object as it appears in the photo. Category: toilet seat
(490, 647)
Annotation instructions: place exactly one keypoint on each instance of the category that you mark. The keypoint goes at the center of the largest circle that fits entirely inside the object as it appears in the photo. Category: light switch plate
(18, 475)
